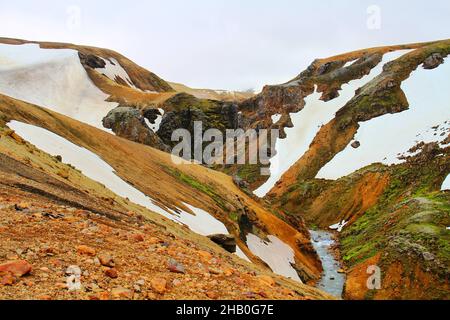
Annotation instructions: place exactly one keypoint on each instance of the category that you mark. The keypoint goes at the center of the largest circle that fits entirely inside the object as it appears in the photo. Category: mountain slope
(56, 221)
(221, 95)
(365, 149)
(172, 186)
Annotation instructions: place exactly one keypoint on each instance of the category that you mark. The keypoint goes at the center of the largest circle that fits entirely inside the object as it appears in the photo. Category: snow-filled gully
(278, 255)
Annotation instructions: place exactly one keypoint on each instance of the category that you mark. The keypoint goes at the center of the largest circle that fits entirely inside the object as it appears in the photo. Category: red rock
(137, 237)
(159, 285)
(106, 260)
(17, 268)
(121, 293)
(7, 280)
(85, 250)
(175, 267)
(112, 273)
(101, 296)
(212, 295)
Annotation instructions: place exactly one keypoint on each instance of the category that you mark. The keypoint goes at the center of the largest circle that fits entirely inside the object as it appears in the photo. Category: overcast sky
(227, 44)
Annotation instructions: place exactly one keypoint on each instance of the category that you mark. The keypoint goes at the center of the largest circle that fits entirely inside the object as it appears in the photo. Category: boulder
(175, 267)
(86, 250)
(106, 260)
(226, 241)
(128, 123)
(159, 285)
(356, 144)
(16, 268)
(433, 61)
(112, 273)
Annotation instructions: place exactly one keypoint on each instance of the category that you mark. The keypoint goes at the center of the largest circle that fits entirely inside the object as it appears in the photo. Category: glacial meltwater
(332, 281)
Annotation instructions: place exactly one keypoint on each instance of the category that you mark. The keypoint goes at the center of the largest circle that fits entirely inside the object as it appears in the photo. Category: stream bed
(332, 281)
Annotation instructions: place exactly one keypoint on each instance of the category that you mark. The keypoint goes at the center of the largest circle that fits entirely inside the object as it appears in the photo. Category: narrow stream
(332, 281)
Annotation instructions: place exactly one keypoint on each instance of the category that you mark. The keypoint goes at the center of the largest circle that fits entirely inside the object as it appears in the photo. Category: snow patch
(54, 79)
(241, 254)
(309, 121)
(201, 222)
(427, 120)
(339, 226)
(349, 63)
(114, 70)
(278, 255)
(276, 118)
(92, 166)
(155, 126)
(446, 184)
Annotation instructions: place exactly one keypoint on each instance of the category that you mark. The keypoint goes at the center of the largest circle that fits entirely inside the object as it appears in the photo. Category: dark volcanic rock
(151, 114)
(433, 61)
(186, 109)
(91, 61)
(128, 123)
(226, 241)
(241, 183)
(356, 144)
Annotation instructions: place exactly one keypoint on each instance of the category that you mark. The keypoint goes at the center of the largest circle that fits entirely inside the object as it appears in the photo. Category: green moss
(249, 172)
(183, 101)
(192, 182)
(360, 253)
(234, 216)
(424, 228)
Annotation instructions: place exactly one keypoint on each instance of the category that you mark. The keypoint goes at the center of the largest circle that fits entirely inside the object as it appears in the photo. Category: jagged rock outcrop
(433, 61)
(92, 61)
(183, 110)
(226, 241)
(127, 122)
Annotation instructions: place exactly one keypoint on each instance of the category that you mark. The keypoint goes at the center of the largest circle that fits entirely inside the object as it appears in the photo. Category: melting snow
(385, 138)
(202, 222)
(446, 184)
(308, 122)
(52, 78)
(114, 70)
(155, 127)
(241, 254)
(276, 118)
(278, 255)
(339, 226)
(95, 168)
(349, 63)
